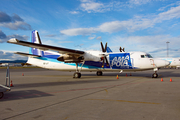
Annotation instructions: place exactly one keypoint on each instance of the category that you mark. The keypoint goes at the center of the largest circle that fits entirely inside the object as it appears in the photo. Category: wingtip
(12, 40)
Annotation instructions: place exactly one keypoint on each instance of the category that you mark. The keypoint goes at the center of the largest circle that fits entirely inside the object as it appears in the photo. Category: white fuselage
(132, 61)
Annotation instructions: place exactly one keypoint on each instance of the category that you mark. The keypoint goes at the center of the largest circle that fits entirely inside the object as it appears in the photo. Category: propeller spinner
(104, 56)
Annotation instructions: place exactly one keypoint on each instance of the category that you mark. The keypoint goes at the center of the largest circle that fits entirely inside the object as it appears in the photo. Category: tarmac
(42, 94)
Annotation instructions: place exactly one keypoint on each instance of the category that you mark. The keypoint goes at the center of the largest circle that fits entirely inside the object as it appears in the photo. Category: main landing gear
(99, 73)
(77, 74)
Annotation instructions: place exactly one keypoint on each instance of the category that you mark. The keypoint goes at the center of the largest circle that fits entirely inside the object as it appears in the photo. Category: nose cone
(161, 63)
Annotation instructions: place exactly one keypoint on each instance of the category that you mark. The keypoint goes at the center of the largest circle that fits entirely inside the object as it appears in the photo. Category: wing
(46, 47)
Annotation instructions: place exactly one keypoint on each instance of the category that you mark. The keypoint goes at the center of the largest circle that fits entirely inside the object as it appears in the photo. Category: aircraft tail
(35, 38)
(109, 50)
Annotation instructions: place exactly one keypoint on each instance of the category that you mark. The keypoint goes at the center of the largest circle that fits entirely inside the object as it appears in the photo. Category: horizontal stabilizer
(26, 54)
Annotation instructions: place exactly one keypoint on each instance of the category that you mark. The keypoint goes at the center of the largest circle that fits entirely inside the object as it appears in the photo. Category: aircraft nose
(161, 63)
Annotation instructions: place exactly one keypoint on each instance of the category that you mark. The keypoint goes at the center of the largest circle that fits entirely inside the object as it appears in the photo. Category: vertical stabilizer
(108, 50)
(35, 38)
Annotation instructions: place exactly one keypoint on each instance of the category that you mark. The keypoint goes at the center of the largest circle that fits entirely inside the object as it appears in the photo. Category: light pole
(167, 49)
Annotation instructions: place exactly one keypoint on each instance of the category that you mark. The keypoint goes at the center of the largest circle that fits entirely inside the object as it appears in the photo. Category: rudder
(35, 38)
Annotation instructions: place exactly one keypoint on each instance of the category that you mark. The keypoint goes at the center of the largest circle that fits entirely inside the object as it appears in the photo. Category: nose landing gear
(155, 75)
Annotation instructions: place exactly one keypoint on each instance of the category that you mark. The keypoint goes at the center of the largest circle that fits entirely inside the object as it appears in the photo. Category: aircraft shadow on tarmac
(46, 84)
(147, 74)
(170, 74)
(25, 94)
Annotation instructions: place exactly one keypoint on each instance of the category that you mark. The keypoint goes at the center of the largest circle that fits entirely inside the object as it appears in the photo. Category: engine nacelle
(92, 56)
(87, 56)
(70, 58)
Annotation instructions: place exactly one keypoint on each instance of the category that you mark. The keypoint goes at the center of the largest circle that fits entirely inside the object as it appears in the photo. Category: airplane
(100, 61)
(16, 63)
(174, 62)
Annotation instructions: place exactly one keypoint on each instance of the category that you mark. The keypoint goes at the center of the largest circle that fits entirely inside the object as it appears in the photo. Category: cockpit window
(146, 56)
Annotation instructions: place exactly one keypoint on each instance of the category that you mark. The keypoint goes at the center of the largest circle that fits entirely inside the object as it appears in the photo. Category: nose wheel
(155, 75)
(1, 95)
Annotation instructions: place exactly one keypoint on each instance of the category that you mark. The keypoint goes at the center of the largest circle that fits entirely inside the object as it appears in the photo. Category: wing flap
(45, 47)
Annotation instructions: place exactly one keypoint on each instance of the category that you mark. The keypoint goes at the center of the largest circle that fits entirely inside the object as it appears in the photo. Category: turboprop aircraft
(99, 61)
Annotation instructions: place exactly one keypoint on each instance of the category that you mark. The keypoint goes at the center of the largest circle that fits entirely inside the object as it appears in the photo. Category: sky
(136, 25)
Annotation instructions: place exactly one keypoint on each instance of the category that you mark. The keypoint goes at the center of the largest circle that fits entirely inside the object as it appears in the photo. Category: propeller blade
(102, 47)
(121, 49)
(104, 55)
(103, 63)
(106, 61)
(105, 48)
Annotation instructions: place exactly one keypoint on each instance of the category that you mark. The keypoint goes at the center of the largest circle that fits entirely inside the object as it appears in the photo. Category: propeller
(121, 49)
(103, 55)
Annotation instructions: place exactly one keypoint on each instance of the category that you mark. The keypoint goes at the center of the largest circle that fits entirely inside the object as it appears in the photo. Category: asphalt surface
(46, 94)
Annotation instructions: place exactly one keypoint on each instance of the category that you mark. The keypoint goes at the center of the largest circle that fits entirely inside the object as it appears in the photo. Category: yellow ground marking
(106, 91)
(124, 101)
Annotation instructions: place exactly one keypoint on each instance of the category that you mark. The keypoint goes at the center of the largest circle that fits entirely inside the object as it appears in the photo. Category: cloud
(51, 35)
(91, 6)
(74, 12)
(11, 56)
(99, 38)
(13, 22)
(174, 12)
(2, 35)
(139, 2)
(155, 45)
(78, 31)
(169, 5)
(5, 38)
(4, 17)
(131, 25)
(91, 37)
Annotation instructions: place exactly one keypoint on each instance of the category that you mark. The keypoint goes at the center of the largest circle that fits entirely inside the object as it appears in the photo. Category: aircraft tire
(1, 95)
(155, 75)
(77, 75)
(99, 73)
